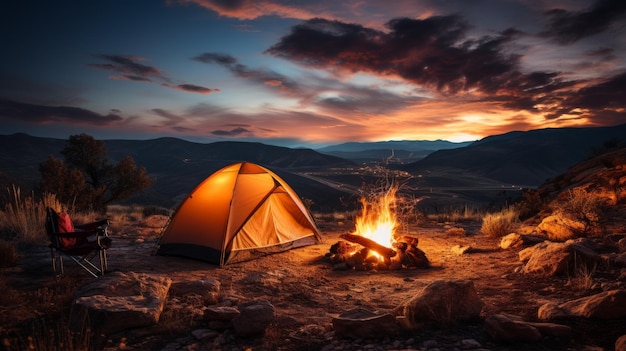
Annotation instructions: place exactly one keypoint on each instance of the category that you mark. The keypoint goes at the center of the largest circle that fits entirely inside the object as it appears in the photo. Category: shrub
(583, 206)
(499, 224)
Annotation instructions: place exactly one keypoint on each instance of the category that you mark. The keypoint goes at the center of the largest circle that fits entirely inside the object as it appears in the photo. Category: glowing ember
(377, 221)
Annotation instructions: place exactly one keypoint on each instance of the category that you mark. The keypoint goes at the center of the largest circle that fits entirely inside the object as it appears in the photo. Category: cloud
(262, 77)
(130, 68)
(566, 27)
(42, 114)
(231, 133)
(251, 9)
(436, 53)
(602, 103)
(194, 89)
(432, 52)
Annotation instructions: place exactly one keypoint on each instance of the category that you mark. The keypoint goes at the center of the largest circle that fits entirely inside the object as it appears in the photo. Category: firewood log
(411, 240)
(418, 258)
(370, 244)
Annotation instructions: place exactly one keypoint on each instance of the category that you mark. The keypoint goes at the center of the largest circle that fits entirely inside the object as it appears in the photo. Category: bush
(583, 206)
(496, 225)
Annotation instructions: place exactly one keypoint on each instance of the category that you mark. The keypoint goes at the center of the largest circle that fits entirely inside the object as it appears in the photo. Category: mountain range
(524, 158)
(518, 158)
(395, 151)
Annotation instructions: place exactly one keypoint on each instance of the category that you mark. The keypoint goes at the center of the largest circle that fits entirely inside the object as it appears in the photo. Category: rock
(204, 334)
(220, 313)
(621, 245)
(619, 260)
(443, 302)
(119, 301)
(620, 343)
(254, 318)
(209, 289)
(360, 323)
(551, 311)
(559, 228)
(514, 240)
(550, 258)
(503, 328)
(552, 329)
(605, 305)
(511, 240)
(460, 250)
(470, 344)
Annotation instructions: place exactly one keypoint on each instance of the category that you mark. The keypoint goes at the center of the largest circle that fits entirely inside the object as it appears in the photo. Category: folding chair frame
(84, 251)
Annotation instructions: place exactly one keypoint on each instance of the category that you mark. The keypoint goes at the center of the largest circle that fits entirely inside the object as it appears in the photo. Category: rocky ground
(307, 293)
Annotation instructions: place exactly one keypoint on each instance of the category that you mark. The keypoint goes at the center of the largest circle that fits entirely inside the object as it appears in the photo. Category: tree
(68, 185)
(87, 179)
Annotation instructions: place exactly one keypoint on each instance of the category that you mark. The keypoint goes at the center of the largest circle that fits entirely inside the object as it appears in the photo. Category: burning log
(354, 253)
(370, 244)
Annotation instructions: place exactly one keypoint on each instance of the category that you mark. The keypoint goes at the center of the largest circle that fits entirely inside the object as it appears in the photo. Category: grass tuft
(497, 225)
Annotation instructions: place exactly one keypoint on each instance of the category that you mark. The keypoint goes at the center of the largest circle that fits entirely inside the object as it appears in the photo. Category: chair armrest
(81, 234)
(92, 225)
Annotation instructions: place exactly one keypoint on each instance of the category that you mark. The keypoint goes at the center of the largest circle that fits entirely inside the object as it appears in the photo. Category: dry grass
(43, 312)
(24, 217)
(458, 215)
(496, 225)
(456, 231)
(583, 277)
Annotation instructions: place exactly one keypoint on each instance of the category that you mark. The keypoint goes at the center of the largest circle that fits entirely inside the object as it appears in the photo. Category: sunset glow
(310, 73)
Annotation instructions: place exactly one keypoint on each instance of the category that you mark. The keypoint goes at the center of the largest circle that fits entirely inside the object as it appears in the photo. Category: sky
(310, 73)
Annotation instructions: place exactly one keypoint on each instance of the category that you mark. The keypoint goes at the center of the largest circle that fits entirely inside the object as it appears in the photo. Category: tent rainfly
(238, 213)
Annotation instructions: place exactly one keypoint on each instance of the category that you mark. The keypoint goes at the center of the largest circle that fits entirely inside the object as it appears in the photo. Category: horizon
(308, 147)
(310, 75)
(266, 142)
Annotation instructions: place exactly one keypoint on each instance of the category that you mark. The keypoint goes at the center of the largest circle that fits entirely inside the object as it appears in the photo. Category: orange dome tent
(238, 213)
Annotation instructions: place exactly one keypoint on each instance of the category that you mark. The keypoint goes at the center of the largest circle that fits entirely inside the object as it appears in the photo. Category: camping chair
(82, 243)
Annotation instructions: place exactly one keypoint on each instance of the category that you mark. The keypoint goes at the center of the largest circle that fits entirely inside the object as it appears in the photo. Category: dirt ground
(308, 293)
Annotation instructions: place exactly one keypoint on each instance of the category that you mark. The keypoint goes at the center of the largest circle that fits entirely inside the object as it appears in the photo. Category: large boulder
(119, 301)
(360, 323)
(604, 305)
(550, 258)
(443, 302)
(559, 228)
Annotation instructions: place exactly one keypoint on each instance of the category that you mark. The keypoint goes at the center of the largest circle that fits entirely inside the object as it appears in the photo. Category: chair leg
(85, 264)
(53, 257)
(105, 260)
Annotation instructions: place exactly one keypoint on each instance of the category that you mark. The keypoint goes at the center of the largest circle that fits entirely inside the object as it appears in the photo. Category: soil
(307, 293)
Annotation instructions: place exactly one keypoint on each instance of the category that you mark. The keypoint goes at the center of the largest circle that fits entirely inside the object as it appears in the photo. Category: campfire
(374, 243)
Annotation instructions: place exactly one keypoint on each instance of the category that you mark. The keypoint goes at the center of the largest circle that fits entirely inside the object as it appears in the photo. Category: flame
(377, 220)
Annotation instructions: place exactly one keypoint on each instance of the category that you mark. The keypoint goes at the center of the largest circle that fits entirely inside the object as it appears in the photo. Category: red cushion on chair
(65, 225)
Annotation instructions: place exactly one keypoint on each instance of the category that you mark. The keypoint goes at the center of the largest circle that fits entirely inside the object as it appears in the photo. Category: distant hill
(523, 158)
(400, 151)
(177, 165)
